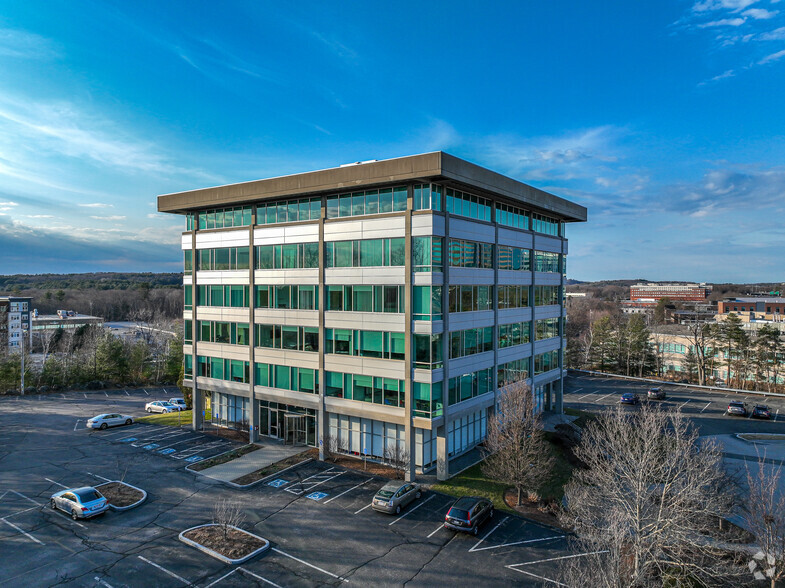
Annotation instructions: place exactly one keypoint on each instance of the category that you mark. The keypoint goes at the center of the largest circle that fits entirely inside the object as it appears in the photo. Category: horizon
(664, 120)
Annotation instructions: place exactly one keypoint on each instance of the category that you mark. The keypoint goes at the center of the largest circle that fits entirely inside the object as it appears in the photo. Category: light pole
(23, 361)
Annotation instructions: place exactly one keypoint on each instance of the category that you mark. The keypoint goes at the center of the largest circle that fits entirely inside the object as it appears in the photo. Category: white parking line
(203, 447)
(439, 528)
(413, 509)
(585, 395)
(363, 508)
(531, 563)
(167, 436)
(23, 532)
(776, 415)
(309, 565)
(105, 394)
(163, 569)
(85, 395)
(283, 470)
(575, 391)
(55, 483)
(311, 486)
(76, 424)
(259, 577)
(25, 497)
(21, 511)
(705, 407)
(606, 396)
(145, 391)
(347, 491)
(66, 517)
(103, 582)
(126, 392)
(540, 540)
(683, 405)
(99, 477)
(488, 534)
(214, 582)
(538, 577)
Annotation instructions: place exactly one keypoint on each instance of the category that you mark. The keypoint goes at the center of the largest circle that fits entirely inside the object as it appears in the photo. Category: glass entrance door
(275, 424)
(295, 429)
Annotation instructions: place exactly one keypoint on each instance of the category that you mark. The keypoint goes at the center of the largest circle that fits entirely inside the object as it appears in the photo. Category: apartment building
(15, 325)
(380, 304)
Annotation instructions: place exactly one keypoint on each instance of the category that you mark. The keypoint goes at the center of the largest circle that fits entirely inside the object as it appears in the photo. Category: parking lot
(316, 515)
(706, 407)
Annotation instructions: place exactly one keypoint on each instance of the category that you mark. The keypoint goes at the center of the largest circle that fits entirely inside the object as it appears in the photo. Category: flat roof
(428, 167)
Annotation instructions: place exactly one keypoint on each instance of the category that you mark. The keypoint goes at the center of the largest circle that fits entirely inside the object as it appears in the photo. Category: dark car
(737, 407)
(761, 411)
(656, 394)
(468, 513)
(629, 398)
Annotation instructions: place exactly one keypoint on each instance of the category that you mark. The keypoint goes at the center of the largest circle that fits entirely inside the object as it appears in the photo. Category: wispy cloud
(115, 217)
(39, 215)
(724, 22)
(775, 35)
(25, 45)
(732, 5)
(773, 57)
(760, 13)
(96, 205)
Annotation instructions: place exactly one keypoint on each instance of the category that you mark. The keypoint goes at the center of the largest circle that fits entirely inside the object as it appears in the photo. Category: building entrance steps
(270, 453)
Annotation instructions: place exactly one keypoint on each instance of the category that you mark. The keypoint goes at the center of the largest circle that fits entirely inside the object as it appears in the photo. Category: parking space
(183, 445)
(316, 515)
(707, 407)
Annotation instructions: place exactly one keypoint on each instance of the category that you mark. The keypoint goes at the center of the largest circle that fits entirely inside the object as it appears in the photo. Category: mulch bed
(371, 467)
(540, 511)
(236, 545)
(119, 494)
(231, 434)
(226, 457)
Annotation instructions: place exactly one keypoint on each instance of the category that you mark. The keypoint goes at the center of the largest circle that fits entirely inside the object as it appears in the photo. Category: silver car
(395, 495)
(160, 406)
(102, 421)
(179, 402)
(80, 503)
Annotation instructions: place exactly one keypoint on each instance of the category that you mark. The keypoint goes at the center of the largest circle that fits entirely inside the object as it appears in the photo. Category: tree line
(93, 356)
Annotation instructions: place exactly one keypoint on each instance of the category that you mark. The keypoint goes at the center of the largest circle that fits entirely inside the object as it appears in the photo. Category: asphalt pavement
(316, 515)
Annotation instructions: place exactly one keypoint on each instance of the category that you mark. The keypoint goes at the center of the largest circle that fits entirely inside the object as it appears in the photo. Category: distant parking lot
(706, 407)
(317, 515)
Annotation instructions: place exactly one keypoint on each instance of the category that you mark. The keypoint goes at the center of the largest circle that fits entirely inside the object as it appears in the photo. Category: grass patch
(223, 458)
(584, 417)
(168, 418)
(473, 482)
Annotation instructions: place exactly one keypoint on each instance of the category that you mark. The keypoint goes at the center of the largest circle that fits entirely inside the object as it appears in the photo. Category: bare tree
(334, 446)
(397, 456)
(766, 507)
(516, 450)
(652, 498)
(227, 514)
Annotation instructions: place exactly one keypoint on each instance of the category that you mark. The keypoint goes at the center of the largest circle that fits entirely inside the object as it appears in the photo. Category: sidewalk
(269, 454)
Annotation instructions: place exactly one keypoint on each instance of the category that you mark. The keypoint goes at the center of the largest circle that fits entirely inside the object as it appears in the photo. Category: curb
(130, 506)
(217, 555)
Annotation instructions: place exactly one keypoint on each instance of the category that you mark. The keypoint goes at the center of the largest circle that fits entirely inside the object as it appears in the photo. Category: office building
(378, 304)
(651, 293)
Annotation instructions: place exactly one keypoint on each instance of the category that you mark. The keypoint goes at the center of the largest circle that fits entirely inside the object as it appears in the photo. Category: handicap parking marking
(193, 458)
(278, 483)
(313, 481)
(151, 446)
(127, 440)
(166, 451)
(317, 496)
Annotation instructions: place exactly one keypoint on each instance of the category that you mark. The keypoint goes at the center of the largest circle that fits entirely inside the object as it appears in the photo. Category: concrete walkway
(269, 454)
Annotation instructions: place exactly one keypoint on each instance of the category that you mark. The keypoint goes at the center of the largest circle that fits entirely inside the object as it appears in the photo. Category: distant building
(651, 293)
(762, 307)
(15, 321)
(64, 319)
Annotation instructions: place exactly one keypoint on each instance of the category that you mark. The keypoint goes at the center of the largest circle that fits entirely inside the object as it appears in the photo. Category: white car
(160, 406)
(178, 402)
(102, 421)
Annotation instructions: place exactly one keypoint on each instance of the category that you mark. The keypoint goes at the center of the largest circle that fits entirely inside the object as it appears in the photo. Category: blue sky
(665, 119)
